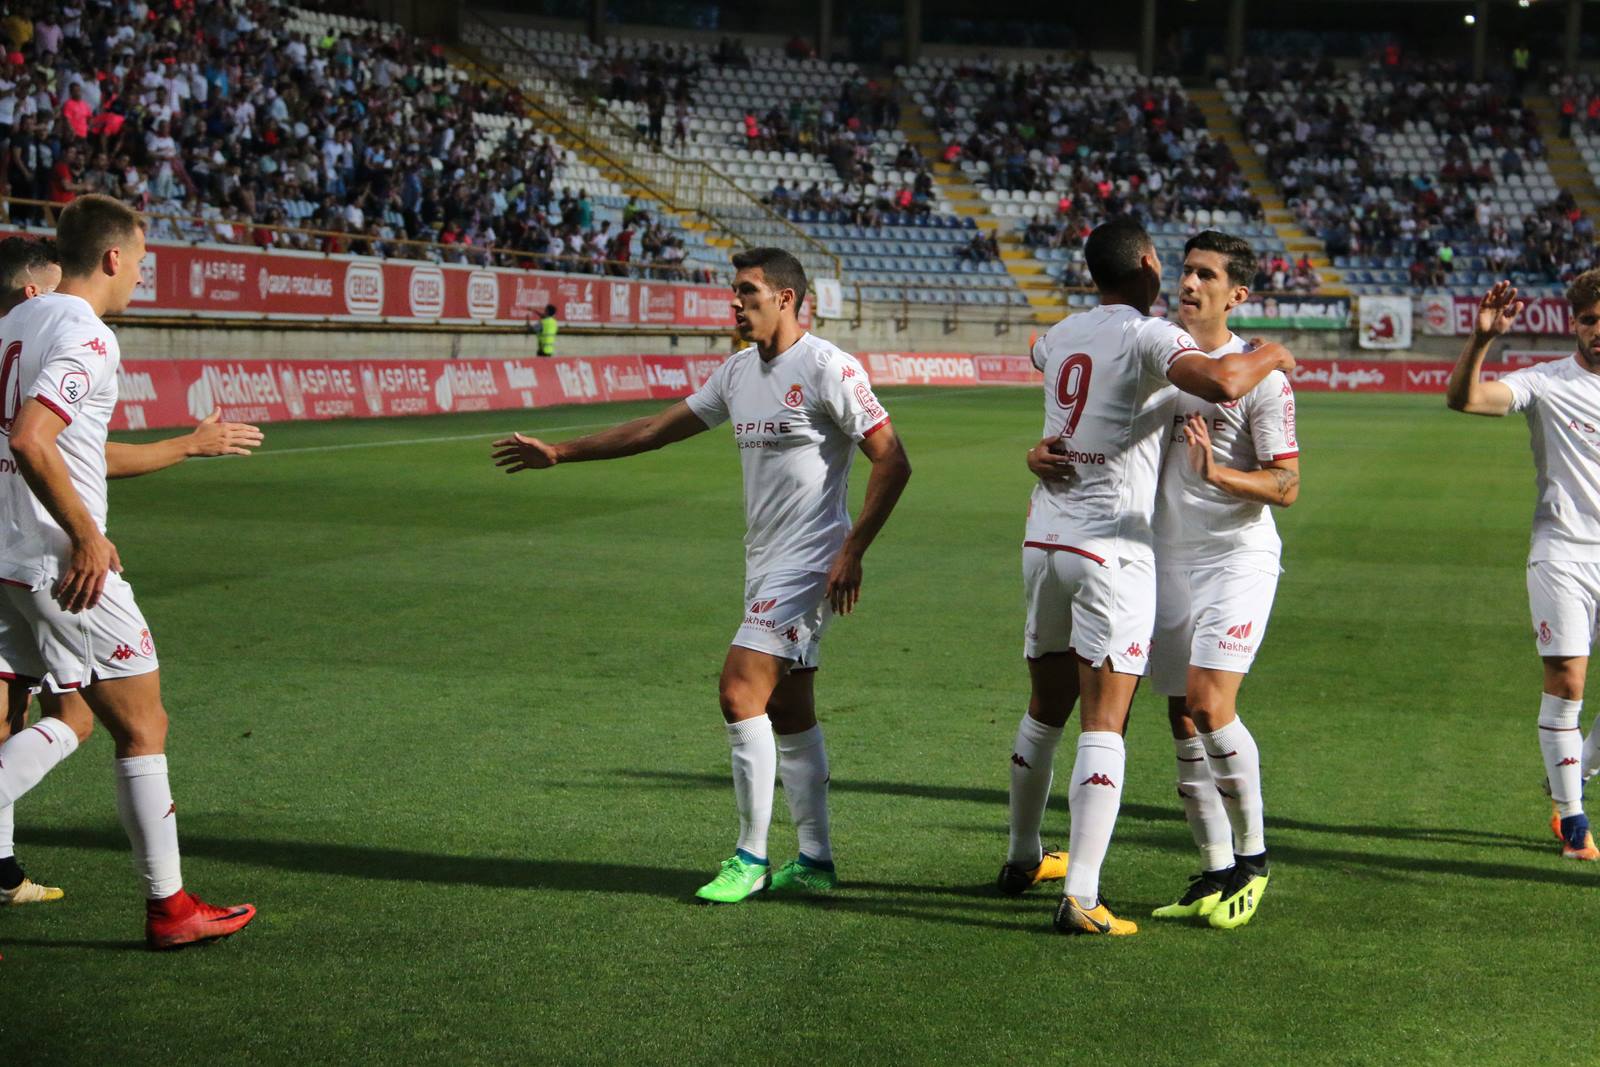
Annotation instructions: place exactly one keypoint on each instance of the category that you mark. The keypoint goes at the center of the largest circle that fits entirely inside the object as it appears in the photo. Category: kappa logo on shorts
(123, 652)
(761, 607)
(1545, 636)
(1135, 651)
(1098, 779)
(1241, 631)
(792, 634)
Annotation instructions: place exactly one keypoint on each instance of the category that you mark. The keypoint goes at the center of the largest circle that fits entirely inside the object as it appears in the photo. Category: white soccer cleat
(30, 892)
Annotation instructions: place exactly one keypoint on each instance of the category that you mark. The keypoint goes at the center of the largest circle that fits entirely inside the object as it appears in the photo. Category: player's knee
(1206, 716)
(738, 701)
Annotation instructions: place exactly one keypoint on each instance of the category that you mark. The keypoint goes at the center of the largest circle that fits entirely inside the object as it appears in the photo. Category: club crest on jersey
(794, 397)
(97, 346)
(74, 386)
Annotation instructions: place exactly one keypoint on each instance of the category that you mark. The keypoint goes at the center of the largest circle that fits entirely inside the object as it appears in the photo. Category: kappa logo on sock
(1098, 779)
(123, 652)
(1240, 632)
(1568, 762)
(1020, 762)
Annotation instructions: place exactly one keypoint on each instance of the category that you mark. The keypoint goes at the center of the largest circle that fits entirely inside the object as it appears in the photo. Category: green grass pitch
(456, 734)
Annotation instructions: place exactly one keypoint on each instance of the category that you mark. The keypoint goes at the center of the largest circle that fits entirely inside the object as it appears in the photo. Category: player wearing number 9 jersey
(59, 574)
(1088, 558)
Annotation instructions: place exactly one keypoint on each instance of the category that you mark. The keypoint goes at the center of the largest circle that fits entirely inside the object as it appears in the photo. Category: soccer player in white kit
(1217, 566)
(29, 268)
(799, 408)
(1088, 557)
(1561, 401)
(59, 574)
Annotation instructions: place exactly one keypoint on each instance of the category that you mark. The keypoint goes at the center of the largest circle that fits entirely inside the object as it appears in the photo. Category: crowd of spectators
(1101, 152)
(218, 112)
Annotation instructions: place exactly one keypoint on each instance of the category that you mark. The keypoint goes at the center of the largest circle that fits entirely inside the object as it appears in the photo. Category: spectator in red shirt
(65, 184)
(76, 110)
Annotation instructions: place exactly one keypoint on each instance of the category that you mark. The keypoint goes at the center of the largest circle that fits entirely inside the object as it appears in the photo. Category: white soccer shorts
(1098, 611)
(1564, 600)
(785, 615)
(1209, 615)
(110, 640)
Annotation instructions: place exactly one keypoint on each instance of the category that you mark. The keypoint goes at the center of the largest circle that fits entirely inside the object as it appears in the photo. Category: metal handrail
(470, 253)
(627, 135)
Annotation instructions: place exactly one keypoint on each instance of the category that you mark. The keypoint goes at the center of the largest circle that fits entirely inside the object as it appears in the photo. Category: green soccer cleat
(1247, 884)
(738, 879)
(797, 876)
(1197, 902)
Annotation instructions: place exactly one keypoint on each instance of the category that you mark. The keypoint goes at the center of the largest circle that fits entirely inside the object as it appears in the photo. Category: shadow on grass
(398, 865)
(1140, 812)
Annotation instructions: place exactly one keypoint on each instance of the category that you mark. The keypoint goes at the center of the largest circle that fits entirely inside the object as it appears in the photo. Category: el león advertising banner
(1445, 315)
(213, 282)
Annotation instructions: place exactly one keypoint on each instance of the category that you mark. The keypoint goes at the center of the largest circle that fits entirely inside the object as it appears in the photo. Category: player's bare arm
(212, 437)
(1230, 377)
(1047, 465)
(1276, 483)
(39, 461)
(1467, 391)
(522, 453)
(891, 470)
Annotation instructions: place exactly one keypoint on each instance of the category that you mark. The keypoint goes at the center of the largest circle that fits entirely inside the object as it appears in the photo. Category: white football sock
(8, 831)
(1591, 750)
(1033, 757)
(803, 762)
(1095, 796)
(1561, 742)
(30, 754)
(1236, 768)
(755, 769)
(150, 818)
(1202, 805)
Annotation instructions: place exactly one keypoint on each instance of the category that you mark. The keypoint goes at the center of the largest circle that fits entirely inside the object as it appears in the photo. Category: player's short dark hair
(1584, 290)
(89, 227)
(1241, 257)
(20, 257)
(781, 269)
(1113, 251)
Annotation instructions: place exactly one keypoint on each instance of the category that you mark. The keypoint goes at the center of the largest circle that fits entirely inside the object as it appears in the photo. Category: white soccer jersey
(1562, 402)
(796, 421)
(1107, 398)
(55, 349)
(1197, 522)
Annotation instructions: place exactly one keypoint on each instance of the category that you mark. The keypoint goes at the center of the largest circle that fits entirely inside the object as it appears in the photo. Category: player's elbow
(28, 447)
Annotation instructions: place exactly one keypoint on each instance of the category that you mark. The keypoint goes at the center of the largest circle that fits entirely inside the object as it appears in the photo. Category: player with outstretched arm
(1561, 401)
(799, 408)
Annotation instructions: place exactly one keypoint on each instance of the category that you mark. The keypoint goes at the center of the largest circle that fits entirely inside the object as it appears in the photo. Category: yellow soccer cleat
(1016, 879)
(1246, 886)
(1205, 890)
(30, 892)
(1072, 918)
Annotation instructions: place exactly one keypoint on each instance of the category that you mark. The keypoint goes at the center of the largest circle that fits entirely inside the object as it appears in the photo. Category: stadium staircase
(1222, 124)
(1566, 161)
(1044, 294)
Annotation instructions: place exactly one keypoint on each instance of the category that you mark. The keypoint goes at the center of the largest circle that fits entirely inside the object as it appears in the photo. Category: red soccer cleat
(185, 919)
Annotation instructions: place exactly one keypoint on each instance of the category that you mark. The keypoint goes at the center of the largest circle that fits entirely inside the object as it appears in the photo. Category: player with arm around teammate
(799, 408)
(28, 268)
(60, 575)
(1217, 566)
(1088, 557)
(1561, 401)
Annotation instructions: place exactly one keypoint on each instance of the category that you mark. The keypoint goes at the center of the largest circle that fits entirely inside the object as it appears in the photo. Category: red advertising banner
(1452, 316)
(217, 282)
(161, 393)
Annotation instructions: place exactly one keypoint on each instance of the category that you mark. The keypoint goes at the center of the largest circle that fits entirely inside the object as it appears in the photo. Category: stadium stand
(265, 118)
(1411, 178)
